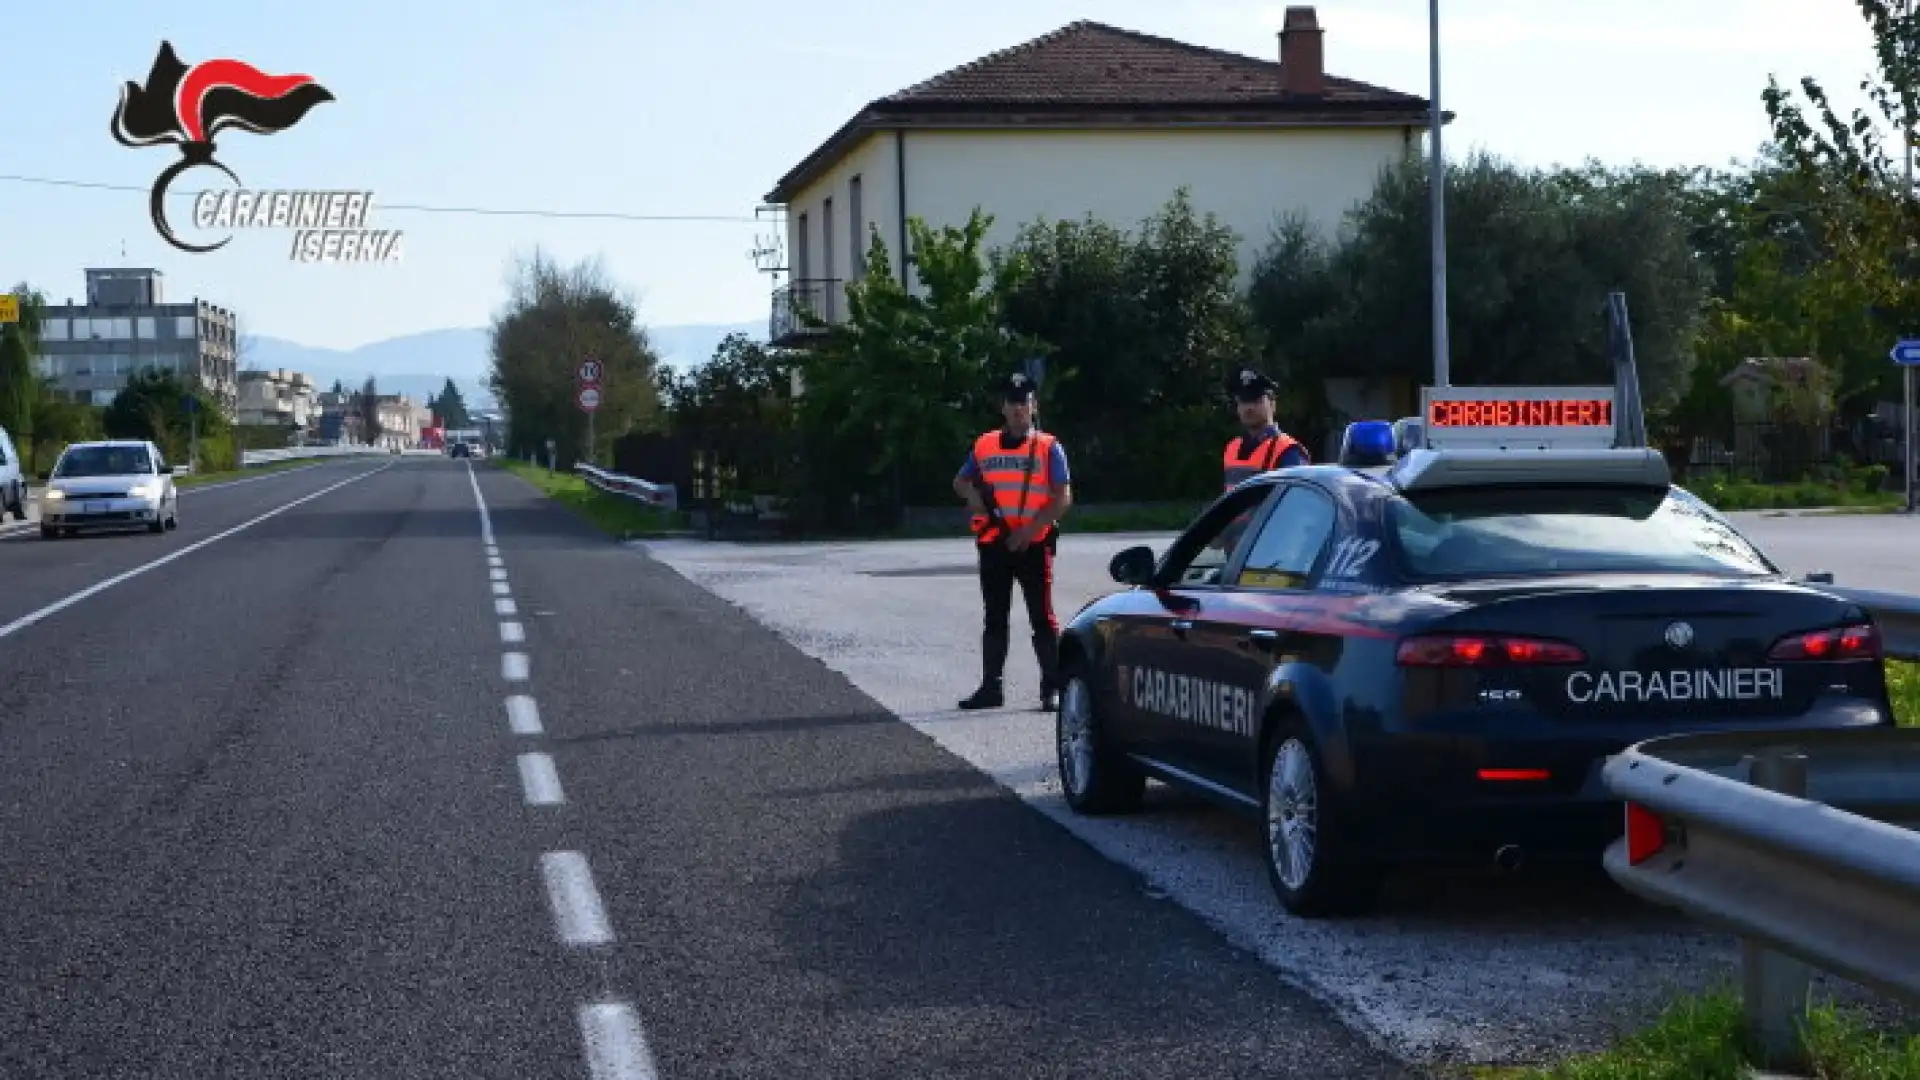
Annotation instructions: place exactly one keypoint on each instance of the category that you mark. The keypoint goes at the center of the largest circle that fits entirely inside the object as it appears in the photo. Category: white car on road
(116, 484)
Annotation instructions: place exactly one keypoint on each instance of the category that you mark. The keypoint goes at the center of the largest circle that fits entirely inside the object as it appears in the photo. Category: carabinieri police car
(1429, 650)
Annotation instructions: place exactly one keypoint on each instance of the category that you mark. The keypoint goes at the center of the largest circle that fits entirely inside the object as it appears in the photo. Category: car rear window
(1451, 535)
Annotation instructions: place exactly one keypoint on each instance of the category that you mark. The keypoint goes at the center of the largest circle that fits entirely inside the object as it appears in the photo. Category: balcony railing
(816, 296)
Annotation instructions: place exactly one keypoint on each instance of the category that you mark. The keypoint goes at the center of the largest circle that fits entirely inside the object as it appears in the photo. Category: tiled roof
(1092, 63)
(1103, 74)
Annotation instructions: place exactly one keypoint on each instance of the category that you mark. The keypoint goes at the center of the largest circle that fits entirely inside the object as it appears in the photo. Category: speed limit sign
(590, 371)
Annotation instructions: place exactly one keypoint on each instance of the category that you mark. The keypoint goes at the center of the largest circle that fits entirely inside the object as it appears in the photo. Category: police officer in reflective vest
(1263, 447)
(1015, 481)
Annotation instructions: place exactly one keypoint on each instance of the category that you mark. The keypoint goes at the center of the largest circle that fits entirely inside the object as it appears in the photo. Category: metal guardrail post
(1775, 988)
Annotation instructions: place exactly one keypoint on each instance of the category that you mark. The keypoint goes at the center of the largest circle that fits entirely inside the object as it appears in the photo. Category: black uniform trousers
(1032, 569)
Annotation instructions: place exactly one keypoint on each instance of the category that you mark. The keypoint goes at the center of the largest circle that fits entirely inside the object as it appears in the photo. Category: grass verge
(224, 475)
(1700, 1038)
(612, 514)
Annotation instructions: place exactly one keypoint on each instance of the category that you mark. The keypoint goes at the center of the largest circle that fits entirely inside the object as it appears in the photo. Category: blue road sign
(1906, 353)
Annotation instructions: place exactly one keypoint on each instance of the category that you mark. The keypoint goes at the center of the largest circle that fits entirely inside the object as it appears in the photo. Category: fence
(1804, 845)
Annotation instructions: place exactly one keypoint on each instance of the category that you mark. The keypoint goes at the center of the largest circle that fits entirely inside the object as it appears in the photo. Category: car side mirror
(1819, 577)
(1133, 566)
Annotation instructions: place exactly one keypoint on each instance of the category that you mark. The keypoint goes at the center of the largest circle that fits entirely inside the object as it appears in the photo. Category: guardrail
(1803, 845)
(296, 453)
(664, 496)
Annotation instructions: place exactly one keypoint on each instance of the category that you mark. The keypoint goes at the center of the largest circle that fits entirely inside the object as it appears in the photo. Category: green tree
(1531, 257)
(738, 407)
(556, 317)
(365, 407)
(1145, 328)
(449, 406)
(898, 390)
(1869, 217)
(19, 385)
(153, 405)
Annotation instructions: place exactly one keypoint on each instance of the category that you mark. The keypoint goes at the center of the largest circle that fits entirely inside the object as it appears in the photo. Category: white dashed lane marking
(578, 916)
(523, 716)
(540, 780)
(616, 1047)
(615, 1043)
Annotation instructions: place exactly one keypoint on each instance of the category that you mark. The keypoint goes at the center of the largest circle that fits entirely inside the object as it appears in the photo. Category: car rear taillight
(1840, 643)
(1484, 650)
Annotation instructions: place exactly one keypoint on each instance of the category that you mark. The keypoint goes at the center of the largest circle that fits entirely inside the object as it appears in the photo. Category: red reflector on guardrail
(1646, 834)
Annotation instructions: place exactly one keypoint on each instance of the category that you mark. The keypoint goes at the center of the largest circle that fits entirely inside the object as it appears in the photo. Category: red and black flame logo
(187, 106)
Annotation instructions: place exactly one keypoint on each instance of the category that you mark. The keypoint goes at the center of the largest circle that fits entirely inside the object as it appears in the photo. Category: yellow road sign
(9, 308)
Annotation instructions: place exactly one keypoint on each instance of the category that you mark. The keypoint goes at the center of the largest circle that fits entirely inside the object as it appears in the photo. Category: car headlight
(55, 494)
(140, 491)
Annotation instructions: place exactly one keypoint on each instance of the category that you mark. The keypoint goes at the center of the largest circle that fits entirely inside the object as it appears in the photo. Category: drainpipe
(900, 190)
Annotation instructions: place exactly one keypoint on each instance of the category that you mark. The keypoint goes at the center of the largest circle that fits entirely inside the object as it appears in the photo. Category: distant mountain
(419, 364)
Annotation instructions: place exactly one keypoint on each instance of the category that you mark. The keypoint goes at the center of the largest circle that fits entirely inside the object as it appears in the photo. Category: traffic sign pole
(587, 396)
(1906, 353)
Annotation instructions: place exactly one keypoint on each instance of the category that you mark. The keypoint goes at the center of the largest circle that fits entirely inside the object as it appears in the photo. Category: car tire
(1310, 857)
(1094, 777)
(48, 532)
(20, 502)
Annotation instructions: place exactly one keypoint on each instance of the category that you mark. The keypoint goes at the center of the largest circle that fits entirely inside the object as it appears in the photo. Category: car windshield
(1453, 535)
(102, 461)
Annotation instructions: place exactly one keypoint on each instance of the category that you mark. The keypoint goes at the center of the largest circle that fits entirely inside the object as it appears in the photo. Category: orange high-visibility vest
(1020, 480)
(1260, 460)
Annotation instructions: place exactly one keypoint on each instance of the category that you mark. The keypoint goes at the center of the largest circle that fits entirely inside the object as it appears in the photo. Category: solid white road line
(504, 607)
(616, 1046)
(523, 716)
(57, 606)
(493, 561)
(500, 588)
(540, 780)
(512, 633)
(577, 913)
(514, 666)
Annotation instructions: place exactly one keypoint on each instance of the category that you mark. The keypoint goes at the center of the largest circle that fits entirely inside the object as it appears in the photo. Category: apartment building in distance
(280, 398)
(125, 324)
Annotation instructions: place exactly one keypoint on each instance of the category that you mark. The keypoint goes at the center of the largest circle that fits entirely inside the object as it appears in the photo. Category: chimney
(1302, 61)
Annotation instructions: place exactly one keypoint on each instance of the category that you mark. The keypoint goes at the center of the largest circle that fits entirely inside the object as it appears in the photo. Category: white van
(13, 482)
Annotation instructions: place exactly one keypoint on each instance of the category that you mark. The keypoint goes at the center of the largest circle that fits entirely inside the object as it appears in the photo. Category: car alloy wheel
(1293, 814)
(1074, 735)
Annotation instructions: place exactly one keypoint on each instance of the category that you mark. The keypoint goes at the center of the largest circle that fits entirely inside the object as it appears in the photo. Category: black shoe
(1049, 700)
(989, 696)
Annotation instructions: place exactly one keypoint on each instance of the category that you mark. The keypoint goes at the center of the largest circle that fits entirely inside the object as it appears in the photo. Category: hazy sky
(695, 109)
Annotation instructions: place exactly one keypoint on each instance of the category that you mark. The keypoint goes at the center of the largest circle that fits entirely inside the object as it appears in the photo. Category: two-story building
(1089, 119)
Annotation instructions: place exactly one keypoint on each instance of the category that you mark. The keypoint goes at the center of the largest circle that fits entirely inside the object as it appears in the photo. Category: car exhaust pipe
(1507, 860)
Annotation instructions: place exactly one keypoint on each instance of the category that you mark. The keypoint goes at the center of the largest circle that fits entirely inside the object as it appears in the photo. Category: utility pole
(1437, 194)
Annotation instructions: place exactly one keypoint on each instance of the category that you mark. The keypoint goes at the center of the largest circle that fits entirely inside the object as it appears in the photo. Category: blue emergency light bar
(1368, 443)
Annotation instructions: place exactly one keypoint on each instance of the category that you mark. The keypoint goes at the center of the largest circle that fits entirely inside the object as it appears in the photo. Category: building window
(144, 328)
(856, 222)
(53, 330)
(803, 263)
(104, 397)
(185, 326)
(82, 329)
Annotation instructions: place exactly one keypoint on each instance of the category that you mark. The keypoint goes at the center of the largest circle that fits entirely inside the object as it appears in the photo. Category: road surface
(395, 770)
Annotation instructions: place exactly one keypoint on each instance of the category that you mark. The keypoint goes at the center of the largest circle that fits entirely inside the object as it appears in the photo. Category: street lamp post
(1437, 196)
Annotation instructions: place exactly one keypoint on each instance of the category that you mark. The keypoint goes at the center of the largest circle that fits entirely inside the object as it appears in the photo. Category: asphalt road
(351, 778)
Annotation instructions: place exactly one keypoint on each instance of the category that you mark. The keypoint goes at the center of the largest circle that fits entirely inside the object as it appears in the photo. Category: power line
(476, 211)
